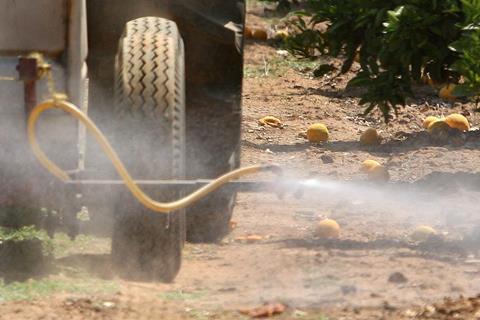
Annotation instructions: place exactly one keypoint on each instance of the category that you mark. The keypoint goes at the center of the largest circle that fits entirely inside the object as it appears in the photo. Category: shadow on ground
(403, 142)
(99, 265)
(435, 248)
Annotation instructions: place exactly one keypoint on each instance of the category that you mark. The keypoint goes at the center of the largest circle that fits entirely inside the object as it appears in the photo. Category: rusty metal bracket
(28, 73)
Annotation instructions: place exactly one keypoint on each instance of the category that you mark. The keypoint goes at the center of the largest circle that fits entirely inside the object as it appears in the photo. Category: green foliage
(397, 43)
(305, 41)
(468, 46)
(22, 234)
(27, 233)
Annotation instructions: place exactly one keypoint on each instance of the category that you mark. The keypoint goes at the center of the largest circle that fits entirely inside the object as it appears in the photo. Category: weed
(33, 289)
(277, 66)
(27, 234)
(64, 246)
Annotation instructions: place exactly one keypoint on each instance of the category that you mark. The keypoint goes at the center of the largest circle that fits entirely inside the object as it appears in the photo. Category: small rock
(397, 277)
(108, 304)
(326, 159)
(410, 313)
(348, 289)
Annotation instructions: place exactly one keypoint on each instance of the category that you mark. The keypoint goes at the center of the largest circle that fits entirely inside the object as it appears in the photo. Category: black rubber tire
(150, 139)
(208, 221)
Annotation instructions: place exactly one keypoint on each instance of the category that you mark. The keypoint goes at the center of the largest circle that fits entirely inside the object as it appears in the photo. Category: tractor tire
(149, 136)
(208, 221)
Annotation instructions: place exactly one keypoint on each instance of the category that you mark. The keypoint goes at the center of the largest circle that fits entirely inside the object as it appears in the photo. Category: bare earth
(342, 279)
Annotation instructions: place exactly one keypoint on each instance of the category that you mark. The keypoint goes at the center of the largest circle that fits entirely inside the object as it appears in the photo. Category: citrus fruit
(370, 137)
(248, 34)
(259, 34)
(379, 174)
(328, 228)
(281, 34)
(446, 92)
(422, 233)
(458, 121)
(317, 132)
(369, 165)
(438, 127)
(270, 121)
(428, 120)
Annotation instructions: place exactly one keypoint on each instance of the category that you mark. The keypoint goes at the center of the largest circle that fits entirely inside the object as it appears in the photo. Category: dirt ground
(373, 271)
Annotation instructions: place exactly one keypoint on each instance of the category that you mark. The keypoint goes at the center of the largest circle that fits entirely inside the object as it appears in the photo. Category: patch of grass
(27, 233)
(181, 295)
(276, 66)
(34, 289)
(64, 246)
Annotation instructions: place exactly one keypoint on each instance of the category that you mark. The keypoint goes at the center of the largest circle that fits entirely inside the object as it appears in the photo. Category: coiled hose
(160, 207)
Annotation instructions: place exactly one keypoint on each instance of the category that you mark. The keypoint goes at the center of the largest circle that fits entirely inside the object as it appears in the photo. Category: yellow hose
(117, 163)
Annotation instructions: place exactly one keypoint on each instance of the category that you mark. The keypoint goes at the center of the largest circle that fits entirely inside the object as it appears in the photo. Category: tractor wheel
(150, 139)
(208, 221)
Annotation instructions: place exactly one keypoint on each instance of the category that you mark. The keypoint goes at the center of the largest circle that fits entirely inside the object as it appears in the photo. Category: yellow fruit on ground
(458, 121)
(370, 137)
(259, 34)
(328, 228)
(429, 120)
(369, 165)
(379, 174)
(438, 127)
(446, 92)
(281, 34)
(270, 121)
(422, 233)
(317, 132)
(248, 34)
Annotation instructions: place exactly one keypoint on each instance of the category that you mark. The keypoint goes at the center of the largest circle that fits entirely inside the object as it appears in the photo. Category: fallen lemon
(379, 174)
(446, 92)
(281, 34)
(317, 132)
(458, 121)
(422, 233)
(247, 33)
(328, 228)
(369, 165)
(259, 34)
(270, 121)
(438, 127)
(370, 137)
(429, 120)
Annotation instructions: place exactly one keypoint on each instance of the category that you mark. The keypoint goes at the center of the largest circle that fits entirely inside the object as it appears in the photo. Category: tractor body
(102, 54)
